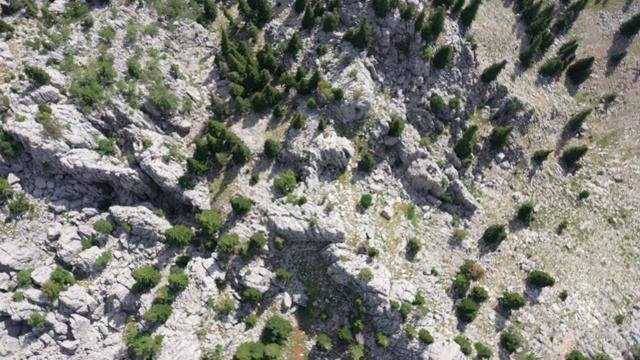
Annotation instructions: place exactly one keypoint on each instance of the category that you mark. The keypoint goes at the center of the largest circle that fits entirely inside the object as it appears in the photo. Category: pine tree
(382, 7)
(436, 21)
(300, 5)
(576, 121)
(499, 137)
(210, 12)
(580, 71)
(457, 6)
(261, 12)
(551, 67)
(295, 44)
(491, 73)
(419, 23)
(528, 56)
(308, 19)
(631, 26)
(464, 146)
(443, 57)
(362, 36)
(468, 14)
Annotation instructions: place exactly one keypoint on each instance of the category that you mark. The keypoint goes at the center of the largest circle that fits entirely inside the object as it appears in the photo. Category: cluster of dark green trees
(468, 309)
(219, 146)
(275, 334)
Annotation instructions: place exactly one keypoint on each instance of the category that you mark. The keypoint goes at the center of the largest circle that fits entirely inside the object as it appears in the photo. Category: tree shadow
(619, 43)
(501, 318)
(532, 294)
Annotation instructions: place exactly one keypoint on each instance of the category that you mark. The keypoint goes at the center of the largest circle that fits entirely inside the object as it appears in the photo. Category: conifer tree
(468, 14)
(491, 73)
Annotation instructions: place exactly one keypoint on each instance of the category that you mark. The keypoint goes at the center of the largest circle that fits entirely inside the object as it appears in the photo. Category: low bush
(228, 242)
(413, 247)
(104, 259)
(226, 305)
(479, 294)
(283, 275)
(512, 301)
(146, 277)
(286, 182)
(38, 75)
(240, 205)
(443, 57)
(425, 337)
(365, 274)
(437, 103)
(382, 340)
(345, 335)
(24, 277)
(509, 341)
(467, 311)
(271, 148)
(464, 343)
(495, 234)
(324, 343)
(277, 330)
(158, 313)
(526, 213)
(252, 295)
(396, 127)
(365, 201)
(483, 351)
(37, 321)
(540, 279)
(209, 222)
(103, 226)
(178, 280)
(179, 235)
(499, 137)
(367, 163)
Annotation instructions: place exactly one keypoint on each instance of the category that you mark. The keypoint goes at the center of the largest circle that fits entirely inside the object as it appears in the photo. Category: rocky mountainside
(322, 179)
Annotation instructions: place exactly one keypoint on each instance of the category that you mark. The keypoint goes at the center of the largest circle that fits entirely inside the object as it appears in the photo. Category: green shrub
(178, 280)
(367, 163)
(509, 341)
(62, 276)
(360, 37)
(396, 127)
(576, 355)
(252, 295)
(5, 27)
(272, 352)
(425, 337)
(19, 205)
(6, 191)
(7, 146)
(461, 283)
(495, 234)
(37, 74)
(209, 13)
(158, 313)
(283, 275)
(405, 310)
(526, 213)
(541, 155)
(464, 146)
(464, 343)
(146, 277)
(483, 351)
(209, 222)
(134, 69)
(103, 227)
(251, 321)
(356, 351)
(249, 351)
(51, 289)
(413, 247)
(300, 5)
(365, 201)
(499, 137)
(443, 57)
(491, 73)
(345, 335)
(631, 27)
(271, 148)
(512, 301)
(479, 294)
(436, 23)
(584, 194)
(330, 22)
(226, 305)
(37, 321)
(365, 274)
(437, 103)
(460, 234)
(228, 242)
(468, 14)
(540, 279)
(572, 155)
(382, 340)
(103, 260)
(454, 103)
(165, 295)
(576, 121)
(277, 330)
(285, 182)
(24, 277)
(240, 205)
(324, 343)
(17, 296)
(298, 121)
(163, 99)
(467, 310)
(373, 252)
(257, 241)
(179, 235)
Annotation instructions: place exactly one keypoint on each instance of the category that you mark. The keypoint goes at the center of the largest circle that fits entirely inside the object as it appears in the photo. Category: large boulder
(144, 223)
(294, 225)
(76, 299)
(425, 177)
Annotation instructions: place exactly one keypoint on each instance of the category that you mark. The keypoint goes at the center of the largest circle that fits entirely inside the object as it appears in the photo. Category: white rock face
(295, 226)
(425, 176)
(144, 223)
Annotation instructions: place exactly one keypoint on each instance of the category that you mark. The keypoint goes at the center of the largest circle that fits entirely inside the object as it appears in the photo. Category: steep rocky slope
(175, 175)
